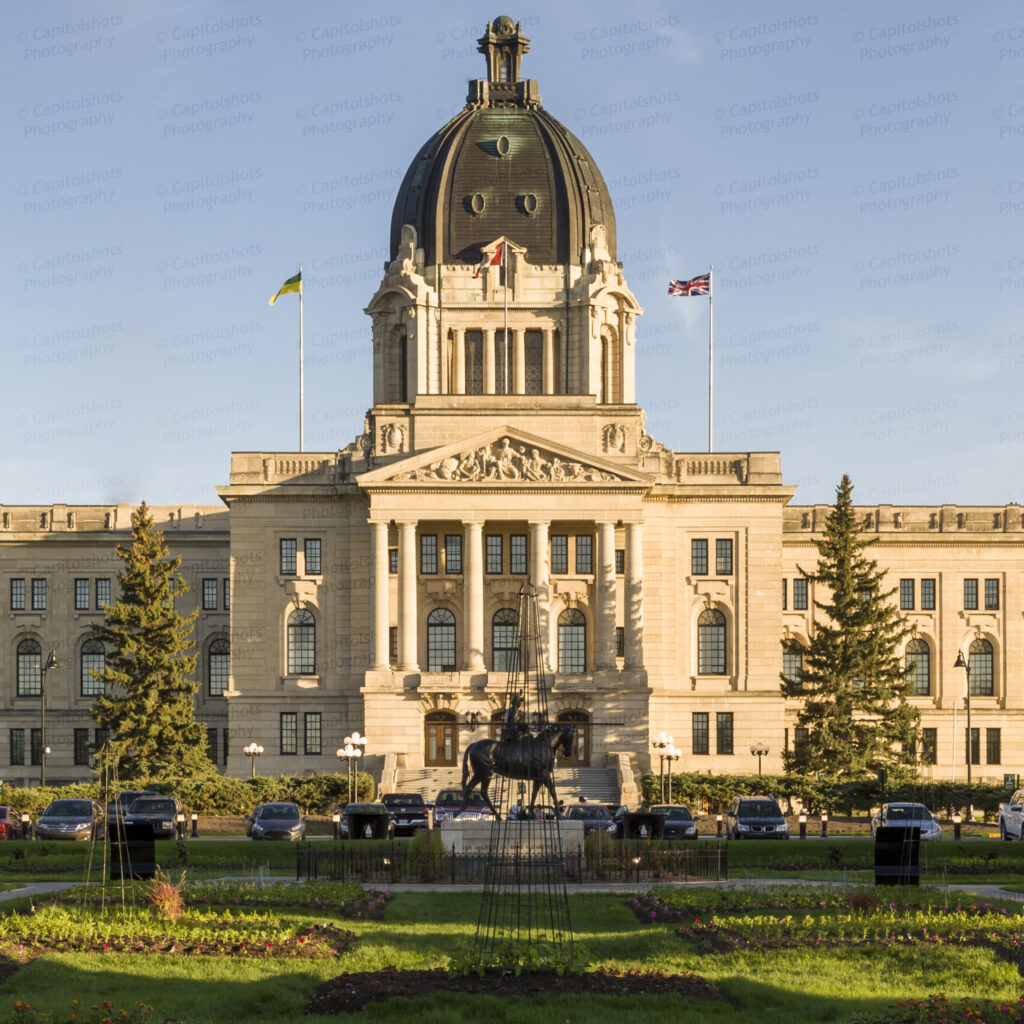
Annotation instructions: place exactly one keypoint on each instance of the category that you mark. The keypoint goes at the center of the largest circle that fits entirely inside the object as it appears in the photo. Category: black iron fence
(394, 863)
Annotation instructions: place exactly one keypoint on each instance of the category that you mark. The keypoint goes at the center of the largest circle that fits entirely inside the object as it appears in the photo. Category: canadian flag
(490, 261)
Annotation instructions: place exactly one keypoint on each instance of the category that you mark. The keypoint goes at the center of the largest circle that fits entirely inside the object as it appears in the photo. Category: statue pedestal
(530, 839)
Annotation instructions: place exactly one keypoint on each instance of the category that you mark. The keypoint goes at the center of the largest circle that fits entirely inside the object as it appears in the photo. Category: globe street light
(661, 743)
(51, 662)
(672, 753)
(759, 750)
(252, 751)
(966, 666)
(349, 753)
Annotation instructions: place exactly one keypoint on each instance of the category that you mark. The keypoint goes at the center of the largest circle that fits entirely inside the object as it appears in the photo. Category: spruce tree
(148, 707)
(854, 718)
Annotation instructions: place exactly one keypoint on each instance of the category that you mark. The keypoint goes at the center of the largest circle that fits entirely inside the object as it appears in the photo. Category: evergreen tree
(854, 719)
(148, 708)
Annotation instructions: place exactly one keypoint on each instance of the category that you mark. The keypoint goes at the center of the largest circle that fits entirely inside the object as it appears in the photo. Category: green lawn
(788, 985)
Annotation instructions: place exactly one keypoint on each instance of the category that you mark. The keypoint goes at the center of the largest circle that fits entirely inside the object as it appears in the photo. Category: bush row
(815, 795)
(217, 794)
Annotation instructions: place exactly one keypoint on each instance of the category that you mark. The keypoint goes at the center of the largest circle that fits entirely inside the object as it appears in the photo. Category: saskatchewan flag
(293, 284)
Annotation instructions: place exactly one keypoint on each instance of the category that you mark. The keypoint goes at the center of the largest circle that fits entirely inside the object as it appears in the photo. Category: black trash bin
(132, 850)
(637, 825)
(897, 856)
(368, 825)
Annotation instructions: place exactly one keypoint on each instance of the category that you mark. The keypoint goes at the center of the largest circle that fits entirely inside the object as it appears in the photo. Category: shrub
(165, 896)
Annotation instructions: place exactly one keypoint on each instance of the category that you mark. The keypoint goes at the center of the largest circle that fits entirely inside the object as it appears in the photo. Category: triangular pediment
(503, 455)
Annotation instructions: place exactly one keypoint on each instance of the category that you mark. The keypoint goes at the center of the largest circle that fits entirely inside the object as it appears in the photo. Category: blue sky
(853, 174)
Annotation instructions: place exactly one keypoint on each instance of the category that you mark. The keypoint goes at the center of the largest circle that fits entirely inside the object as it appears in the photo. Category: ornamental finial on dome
(504, 45)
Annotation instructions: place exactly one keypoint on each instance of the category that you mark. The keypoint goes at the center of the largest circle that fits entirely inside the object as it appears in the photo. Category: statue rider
(512, 730)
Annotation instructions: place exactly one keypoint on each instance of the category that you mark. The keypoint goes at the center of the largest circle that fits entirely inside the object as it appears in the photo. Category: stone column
(488, 337)
(518, 362)
(549, 361)
(539, 577)
(473, 574)
(379, 546)
(459, 384)
(605, 646)
(634, 610)
(407, 625)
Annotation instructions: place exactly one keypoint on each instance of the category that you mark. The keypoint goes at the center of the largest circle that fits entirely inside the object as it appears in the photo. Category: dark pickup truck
(408, 811)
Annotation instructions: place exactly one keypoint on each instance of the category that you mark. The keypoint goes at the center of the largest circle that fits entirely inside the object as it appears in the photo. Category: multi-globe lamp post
(252, 751)
(350, 754)
(961, 662)
(759, 750)
(51, 662)
(667, 751)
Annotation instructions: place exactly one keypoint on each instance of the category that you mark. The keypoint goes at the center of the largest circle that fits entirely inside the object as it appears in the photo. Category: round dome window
(502, 145)
(528, 203)
(477, 203)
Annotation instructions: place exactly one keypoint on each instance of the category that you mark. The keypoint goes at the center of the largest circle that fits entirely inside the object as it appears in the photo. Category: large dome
(503, 166)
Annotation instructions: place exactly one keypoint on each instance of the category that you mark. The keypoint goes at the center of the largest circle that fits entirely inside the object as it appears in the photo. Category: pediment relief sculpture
(503, 460)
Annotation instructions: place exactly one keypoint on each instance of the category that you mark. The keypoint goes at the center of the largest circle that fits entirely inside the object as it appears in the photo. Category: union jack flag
(695, 286)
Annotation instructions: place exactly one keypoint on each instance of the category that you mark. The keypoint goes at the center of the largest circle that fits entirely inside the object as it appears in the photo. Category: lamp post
(759, 750)
(51, 662)
(672, 753)
(965, 665)
(350, 753)
(661, 743)
(252, 751)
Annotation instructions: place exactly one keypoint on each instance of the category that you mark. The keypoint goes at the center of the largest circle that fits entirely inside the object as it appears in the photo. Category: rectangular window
(723, 732)
(785, 595)
(17, 746)
(312, 724)
(991, 595)
(517, 554)
(793, 668)
(620, 641)
(453, 553)
(227, 595)
(927, 595)
(906, 595)
(81, 595)
(209, 595)
(620, 562)
(36, 752)
(81, 746)
(224, 747)
(311, 549)
(289, 551)
(17, 595)
(99, 737)
(972, 746)
(559, 553)
(428, 554)
(993, 746)
(289, 732)
(800, 595)
(698, 557)
(474, 342)
(970, 595)
(700, 733)
(39, 595)
(393, 561)
(723, 557)
(211, 744)
(103, 593)
(495, 554)
(393, 643)
(584, 554)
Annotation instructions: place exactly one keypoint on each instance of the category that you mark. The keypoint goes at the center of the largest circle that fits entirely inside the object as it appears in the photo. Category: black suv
(408, 811)
(164, 814)
(755, 817)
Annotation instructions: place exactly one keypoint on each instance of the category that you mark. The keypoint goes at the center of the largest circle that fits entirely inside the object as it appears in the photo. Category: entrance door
(440, 744)
(581, 744)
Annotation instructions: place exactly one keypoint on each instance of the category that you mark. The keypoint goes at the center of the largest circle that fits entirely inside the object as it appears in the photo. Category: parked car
(1011, 816)
(450, 800)
(71, 819)
(618, 814)
(595, 818)
(408, 811)
(11, 825)
(118, 807)
(366, 821)
(679, 823)
(166, 815)
(277, 821)
(755, 817)
(905, 815)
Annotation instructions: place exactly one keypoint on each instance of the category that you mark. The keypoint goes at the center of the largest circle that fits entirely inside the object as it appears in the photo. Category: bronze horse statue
(525, 757)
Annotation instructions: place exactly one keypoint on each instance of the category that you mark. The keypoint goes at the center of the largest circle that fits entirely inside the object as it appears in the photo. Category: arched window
(572, 642)
(440, 641)
(918, 660)
(395, 367)
(30, 668)
(533, 345)
(979, 667)
(793, 666)
(439, 740)
(474, 345)
(218, 666)
(503, 640)
(93, 659)
(611, 376)
(580, 756)
(711, 643)
(301, 643)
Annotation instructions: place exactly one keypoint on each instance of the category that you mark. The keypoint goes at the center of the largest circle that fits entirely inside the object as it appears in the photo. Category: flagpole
(711, 354)
(504, 356)
(301, 438)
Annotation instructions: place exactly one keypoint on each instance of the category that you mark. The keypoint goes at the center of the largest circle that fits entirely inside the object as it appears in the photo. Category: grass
(419, 929)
